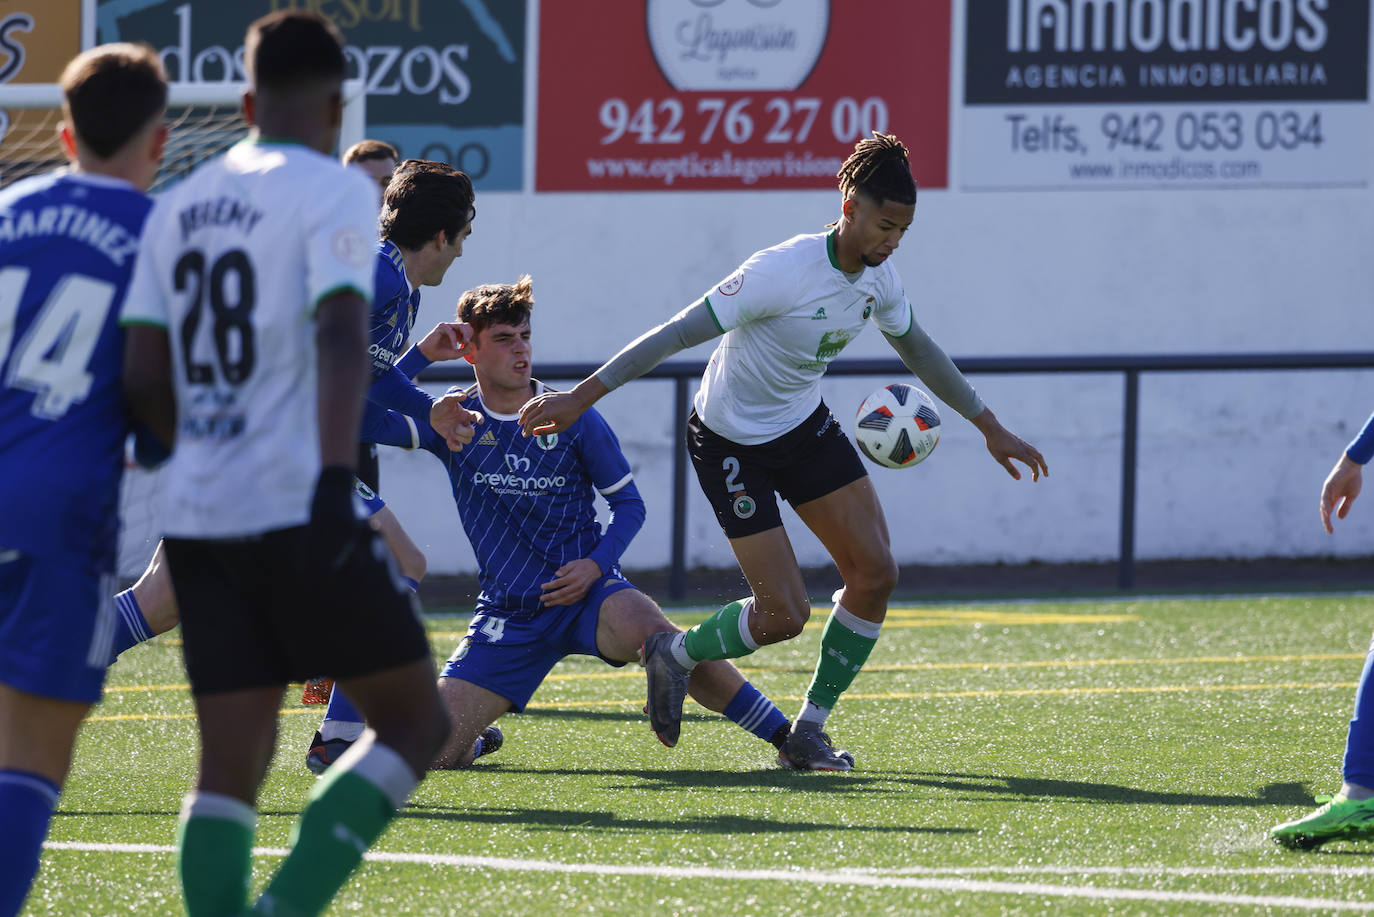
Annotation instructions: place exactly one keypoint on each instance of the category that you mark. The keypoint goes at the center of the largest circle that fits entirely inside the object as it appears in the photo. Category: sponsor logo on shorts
(744, 506)
(463, 646)
(367, 493)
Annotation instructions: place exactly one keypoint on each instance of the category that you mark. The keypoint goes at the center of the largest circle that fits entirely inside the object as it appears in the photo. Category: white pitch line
(858, 878)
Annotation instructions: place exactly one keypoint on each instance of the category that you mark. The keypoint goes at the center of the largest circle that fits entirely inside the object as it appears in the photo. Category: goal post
(204, 118)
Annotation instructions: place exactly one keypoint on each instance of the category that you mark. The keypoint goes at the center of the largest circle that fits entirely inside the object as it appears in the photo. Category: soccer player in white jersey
(1349, 815)
(247, 351)
(67, 243)
(759, 427)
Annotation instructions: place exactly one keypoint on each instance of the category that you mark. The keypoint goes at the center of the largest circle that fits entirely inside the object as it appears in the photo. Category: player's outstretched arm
(554, 412)
(1006, 446)
(1339, 491)
(148, 380)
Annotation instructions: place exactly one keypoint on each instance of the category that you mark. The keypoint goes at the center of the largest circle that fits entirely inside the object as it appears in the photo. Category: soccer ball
(897, 426)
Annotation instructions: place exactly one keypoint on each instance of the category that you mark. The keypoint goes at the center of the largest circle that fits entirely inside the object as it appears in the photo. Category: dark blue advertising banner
(445, 79)
(1119, 93)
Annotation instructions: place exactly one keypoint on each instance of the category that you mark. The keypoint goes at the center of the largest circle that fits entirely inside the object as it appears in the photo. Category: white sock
(679, 650)
(810, 713)
(341, 729)
(1356, 792)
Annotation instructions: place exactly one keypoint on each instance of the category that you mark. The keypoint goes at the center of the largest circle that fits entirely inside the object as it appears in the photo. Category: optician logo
(737, 44)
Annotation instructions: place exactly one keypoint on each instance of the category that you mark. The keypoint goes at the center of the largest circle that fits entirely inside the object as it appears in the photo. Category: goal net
(204, 120)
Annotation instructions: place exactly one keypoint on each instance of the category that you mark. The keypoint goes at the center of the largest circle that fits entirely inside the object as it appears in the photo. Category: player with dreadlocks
(760, 428)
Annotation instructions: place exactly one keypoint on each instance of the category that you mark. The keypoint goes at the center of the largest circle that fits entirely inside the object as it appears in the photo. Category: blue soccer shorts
(510, 655)
(57, 621)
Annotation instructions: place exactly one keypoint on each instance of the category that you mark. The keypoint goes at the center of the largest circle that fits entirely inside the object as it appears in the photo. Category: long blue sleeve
(627, 518)
(394, 390)
(1361, 450)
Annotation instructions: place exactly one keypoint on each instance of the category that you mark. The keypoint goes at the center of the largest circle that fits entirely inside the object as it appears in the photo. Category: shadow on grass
(764, 778)
(1274, 794)
(562, 819)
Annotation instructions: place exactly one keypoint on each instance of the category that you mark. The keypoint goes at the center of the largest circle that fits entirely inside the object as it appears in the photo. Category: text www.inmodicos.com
(1176, 169)
(725, 168)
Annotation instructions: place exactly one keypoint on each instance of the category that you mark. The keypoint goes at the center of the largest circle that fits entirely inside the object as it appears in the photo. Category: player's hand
(335, 532)
(1005, 446)
(571, 582)
(551, 412)
(1340, 490)
(454, 422)
(448, 341)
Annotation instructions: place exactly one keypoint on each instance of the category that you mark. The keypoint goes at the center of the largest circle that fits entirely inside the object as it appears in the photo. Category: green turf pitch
(1074, 757)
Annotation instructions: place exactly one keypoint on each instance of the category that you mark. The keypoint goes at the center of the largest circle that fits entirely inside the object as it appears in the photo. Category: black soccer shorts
(811, 460)
(252, 617)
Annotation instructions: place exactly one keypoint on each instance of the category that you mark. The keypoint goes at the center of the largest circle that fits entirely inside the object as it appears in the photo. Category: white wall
(1230, 464)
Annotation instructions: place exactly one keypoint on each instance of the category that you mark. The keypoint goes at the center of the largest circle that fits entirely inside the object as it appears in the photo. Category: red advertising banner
(650, 95)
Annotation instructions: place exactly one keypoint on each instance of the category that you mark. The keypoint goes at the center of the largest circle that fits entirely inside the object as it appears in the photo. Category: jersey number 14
(52, 358)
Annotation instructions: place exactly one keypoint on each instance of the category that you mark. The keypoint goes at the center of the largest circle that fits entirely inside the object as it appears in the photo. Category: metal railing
(685, 374)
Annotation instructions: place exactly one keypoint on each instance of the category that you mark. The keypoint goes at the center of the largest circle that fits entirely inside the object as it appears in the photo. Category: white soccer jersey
(234, 260)
(786, 313)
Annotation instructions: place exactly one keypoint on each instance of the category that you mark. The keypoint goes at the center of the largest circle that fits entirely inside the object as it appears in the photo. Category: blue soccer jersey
(67, 247)
(394, 304)
(528, 503)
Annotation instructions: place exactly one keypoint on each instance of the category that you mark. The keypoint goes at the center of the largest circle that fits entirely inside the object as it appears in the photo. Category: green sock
(215, 854)
(346, 813)
(718, 637)
(843, 653)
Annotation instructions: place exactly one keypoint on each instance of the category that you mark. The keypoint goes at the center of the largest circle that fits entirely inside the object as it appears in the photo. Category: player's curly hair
(880, 168)
(497, 303)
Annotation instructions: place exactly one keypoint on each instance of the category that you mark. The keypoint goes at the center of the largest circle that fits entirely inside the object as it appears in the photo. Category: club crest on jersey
(732, 284)
(820, 315)
(547, 441)
(517, 463)
(744, 506)
(868, 308)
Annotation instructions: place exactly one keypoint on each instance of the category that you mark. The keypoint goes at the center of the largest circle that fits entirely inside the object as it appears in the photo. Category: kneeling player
(550, 578)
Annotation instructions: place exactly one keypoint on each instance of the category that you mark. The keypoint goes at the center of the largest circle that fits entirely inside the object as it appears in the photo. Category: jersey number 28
(229, 291)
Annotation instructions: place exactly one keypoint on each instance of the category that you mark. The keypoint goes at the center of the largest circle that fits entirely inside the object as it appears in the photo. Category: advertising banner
(736, 94)
(1165, 93)
(37, 39)
(445, 79)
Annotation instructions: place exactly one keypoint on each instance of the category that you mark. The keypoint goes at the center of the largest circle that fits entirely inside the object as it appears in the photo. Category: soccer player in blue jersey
(1349, 815)
(550, 577)
(67, 245)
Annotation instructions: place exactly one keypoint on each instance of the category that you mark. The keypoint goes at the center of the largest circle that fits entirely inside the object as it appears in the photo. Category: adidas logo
(820, 314)
(487, 439)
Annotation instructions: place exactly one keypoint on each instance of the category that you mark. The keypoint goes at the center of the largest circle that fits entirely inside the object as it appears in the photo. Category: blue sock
(131, 628)
(1359, 742)
(756, 713)
(341, 709)
(28, 801)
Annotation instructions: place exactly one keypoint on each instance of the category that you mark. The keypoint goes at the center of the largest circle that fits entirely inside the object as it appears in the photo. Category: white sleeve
(759, 288)
(340, 247)
(144, 302)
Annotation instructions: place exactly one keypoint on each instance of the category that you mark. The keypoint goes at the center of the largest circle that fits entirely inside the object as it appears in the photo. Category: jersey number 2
(231, 295)
(52, 359)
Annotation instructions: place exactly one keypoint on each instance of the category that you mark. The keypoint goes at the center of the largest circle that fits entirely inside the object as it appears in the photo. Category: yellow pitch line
(895, 695)
(633, 671)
